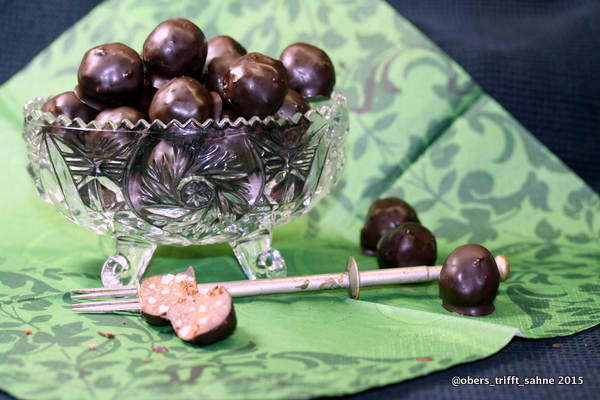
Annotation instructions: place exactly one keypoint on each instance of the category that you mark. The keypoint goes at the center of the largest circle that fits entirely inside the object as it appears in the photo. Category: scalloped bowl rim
(31, 108)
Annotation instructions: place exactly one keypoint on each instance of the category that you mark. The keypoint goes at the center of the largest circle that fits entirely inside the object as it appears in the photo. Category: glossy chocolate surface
(311, 71)
(110, 75)
(181, 99)
(408, 245)
(120, 114)
(469, 281)
(70, 105)
(175, 48)
(383, 215)
(255, 85)
(220, 45)
(293, 103)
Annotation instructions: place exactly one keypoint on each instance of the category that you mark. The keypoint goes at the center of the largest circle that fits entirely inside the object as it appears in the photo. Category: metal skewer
(351, 280)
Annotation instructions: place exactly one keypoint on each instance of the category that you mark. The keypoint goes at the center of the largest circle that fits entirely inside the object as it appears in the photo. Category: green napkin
(421, 129)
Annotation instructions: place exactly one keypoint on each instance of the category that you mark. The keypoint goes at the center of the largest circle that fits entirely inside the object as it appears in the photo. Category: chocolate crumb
(106, 334)
(28, 331)
(91, 346)
(159, 359)
(557, 345)
(123, 322)
(144, 360)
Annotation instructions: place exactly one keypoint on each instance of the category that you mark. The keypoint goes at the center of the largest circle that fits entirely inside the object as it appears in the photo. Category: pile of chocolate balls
(179, 75)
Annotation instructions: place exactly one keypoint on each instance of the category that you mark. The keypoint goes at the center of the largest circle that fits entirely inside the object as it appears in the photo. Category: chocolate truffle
(408, 245)
(148, 92)
(215, 72)
(255, 85)
(181, 99)
(204, 318)
(310, 68)
(110, 75)
(293, 103)
(160, 292)
(68, 104)
(469, 281)
(220, 45)
(176, 47)
(120, 114)
(383, 215)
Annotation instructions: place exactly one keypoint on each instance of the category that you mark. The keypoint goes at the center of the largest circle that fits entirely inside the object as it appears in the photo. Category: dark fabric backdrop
(539, 58)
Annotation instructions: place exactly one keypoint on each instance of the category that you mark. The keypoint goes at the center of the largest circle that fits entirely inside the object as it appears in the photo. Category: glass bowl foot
(127, 265)
(257, 258)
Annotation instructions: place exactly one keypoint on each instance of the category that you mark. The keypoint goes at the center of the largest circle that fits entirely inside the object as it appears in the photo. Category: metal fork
(351, 280)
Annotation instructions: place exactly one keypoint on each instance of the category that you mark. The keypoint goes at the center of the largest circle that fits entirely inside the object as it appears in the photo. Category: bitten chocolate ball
(176, 47)
(110, 75)
(469, 281)
(311, 71)
(220, 45)
(120, 114)
(383, 215)
(293, 103)
(68, 104)
(255, 85)
(407, 245)
(181, 99)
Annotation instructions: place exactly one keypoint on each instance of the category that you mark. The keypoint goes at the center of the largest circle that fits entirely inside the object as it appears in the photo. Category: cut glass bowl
(187, 184)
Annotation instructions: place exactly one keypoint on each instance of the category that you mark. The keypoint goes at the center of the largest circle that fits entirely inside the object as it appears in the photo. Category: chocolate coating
(176, 47)
(215, 71)
(120, 114)
(255, 85)
(311, 71)
(293, 103)
(383, 215)
(110, 75)
(469, 281)
(181, 99)
(204, 318)
(220, 45)
(68, 104)
(408, 245)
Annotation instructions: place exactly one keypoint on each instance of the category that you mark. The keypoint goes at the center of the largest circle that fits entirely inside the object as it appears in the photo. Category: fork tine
(105, 303)
(109, 308)
(121, 293)
(103, 289)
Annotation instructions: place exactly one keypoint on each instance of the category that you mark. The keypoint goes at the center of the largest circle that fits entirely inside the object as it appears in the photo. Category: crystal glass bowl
(149, 184)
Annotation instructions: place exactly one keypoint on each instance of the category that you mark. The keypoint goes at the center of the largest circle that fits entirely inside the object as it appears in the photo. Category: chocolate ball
(215, 71)
(176, 47)
(68, 104)
(408, 245)
(120, 114)
(181, 99)
(148, 92)
(383, 215)
(311, 71)
(255, 85)
(220, 45)
(469, 281)
(110, 75)
(293, 103)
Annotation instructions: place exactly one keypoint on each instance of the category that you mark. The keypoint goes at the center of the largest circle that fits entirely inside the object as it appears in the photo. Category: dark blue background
(539, 59)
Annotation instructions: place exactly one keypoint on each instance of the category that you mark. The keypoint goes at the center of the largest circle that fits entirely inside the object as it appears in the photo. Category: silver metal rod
(351, 280)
